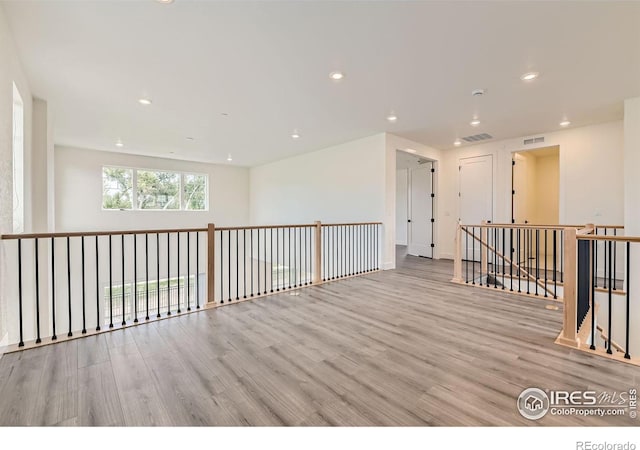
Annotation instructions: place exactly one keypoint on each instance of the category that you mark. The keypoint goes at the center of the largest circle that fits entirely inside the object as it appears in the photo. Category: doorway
(415, 194)
(535, 196)
(535, 191)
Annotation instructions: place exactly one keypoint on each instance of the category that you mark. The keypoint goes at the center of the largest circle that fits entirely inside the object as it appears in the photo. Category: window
(18, 161)
(159, 190)
(195, 192)
(117, 188)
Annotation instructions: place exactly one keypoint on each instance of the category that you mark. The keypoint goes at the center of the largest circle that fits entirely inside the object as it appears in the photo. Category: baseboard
(4, 343)
(446, 256)
(388, 266)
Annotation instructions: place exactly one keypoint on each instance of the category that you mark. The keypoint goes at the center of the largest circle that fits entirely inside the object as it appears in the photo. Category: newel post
(457, 258)
(570, 323)
(211, 265)
(317, 268)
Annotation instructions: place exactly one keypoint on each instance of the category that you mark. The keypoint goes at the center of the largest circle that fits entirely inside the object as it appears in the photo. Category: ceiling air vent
(533, 140)
(477, 137)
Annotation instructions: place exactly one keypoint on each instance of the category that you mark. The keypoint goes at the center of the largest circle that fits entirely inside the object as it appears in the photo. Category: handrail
(98, 233)
(260, 227)
(350, 224)
(523, 226)
(508, 260)
(604, 336)
(62, 234)
(599, 237)
(538, 226)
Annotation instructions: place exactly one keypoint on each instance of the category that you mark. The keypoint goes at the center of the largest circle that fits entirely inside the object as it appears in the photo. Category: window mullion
(182, 196)
(134, 188)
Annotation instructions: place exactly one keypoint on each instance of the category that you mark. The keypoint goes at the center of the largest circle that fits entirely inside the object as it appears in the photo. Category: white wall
(343, 183)
(335, 184)
(10, 72)
(78, 199)
(591, 185)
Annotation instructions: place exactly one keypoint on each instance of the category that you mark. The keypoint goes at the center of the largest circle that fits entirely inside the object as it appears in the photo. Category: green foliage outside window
(195, 192)
(158, 190)
(153, 190)
(117, 188)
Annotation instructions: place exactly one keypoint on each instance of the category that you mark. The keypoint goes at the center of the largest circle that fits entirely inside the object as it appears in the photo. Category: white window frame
(206, 191)
(134, 188)
(134, 199)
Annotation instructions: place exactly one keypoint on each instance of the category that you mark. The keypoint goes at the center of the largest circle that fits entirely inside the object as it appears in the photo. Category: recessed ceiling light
(295, 135)
(224, 114)
(229, 158)
(392, 117)
(165, 2)
(410, 150)
(145, 101)
(457, 142)
(336, 76)
(565, 123)
(119, 144)
(189, 138)
(529, 76)
(475, 122)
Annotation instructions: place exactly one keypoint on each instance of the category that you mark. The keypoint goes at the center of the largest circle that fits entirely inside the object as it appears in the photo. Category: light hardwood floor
(403, 347)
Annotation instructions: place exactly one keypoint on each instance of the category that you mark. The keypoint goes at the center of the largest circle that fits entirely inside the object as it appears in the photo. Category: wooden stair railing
(508, 261)
(69, 285)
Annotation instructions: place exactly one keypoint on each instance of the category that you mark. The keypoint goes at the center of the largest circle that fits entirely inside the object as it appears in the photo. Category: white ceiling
(266, 64)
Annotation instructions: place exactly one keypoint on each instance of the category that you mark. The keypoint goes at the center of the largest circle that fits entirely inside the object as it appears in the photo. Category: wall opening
(536, 186)
(415, 214)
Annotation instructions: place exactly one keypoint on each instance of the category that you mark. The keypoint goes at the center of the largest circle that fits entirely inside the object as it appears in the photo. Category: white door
(420, 215)
(476, 195)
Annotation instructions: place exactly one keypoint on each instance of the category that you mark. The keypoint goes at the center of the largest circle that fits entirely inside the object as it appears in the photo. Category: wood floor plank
(57, 394)
(98, 399)
(92, 350)
(139, 397)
